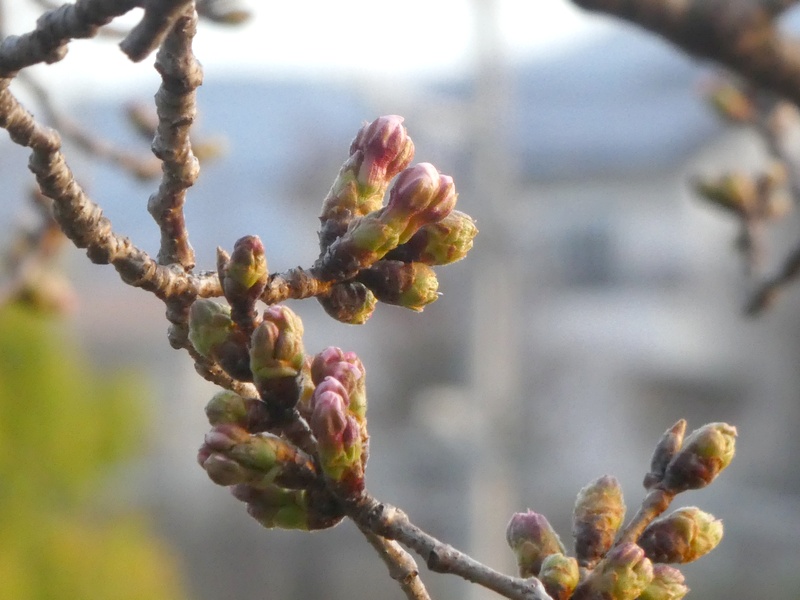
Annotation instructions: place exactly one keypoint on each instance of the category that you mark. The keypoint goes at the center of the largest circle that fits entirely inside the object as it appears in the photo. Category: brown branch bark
(401, 565)
(147, 35)
(54, 29)
(391, 523)
(740, 34)
(181, 75)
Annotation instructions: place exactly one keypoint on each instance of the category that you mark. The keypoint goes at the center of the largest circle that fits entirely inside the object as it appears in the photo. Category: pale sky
(337, 38)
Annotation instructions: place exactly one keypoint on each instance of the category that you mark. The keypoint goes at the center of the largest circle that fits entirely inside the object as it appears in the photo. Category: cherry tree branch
(739, 34)
(392, 523)
(401, 565)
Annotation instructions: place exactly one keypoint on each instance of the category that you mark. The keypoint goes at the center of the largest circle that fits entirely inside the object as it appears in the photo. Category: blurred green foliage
(64, 432)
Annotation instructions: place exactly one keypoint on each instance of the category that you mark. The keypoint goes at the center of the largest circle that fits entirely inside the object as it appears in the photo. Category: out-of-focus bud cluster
(247, 447)
(762, 197)
(611, 562)
(385, 253)
(732, 102)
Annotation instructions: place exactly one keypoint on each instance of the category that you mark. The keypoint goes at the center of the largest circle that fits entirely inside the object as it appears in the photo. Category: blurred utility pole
(496, 311)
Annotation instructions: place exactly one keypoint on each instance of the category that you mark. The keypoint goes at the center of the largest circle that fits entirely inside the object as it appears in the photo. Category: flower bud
(227, 407)
(277, 356)
(347, 369)
(420, 195)
(666, 449)
(350, 302)
(338, 436)
(668, 584)
(380, 150)
(705, 453)
(259, 458)
(386, 149)
(735, 192)
(411, 285)
(732, 103)
(213, 334)
(440, 243)
(560, 575)
(243, 275)
(599, 512)
(273, 506)
(682, 536)
(532, 539)
(623, 574)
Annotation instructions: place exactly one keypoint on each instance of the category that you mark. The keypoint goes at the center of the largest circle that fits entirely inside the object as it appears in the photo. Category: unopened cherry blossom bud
(440, 243)
(682, 536)
(705, 453)
(668, 584)
(214, 335)
(560, 575)
(387, 150)
(338, 436)
(532, 539)
(260, 458)
(347, 369)
(420, 195)
(277, 356)
(226, 407)
(735, 192)
(623, 574)
(410, 285)
(732, 103)
(380, 150)
(666, 449)
(598, 515)
(244, 274)
(273, 506)
(350, 302)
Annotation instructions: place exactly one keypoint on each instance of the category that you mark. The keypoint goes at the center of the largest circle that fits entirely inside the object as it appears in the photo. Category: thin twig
(146, 36)
(181, 74)
(400, 563)
(390, 522)
(54, 29)
(655, 503)
(141, 167)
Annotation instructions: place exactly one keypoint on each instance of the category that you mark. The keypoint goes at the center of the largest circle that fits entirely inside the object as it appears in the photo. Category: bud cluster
(610, 563)
(385, 253)
(247, 447)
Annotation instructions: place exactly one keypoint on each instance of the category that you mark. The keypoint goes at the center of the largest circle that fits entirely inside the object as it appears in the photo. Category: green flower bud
(259, 458)
(532, 539)
(560, 575)
(668, 584)
(277, 356)
(273, 506)
(214, 335)
(682, 536)
(666, 449)
(226, 407)
(440, 243)
(350, 302)
(623, 574)
(420, 195)
(246, 270)
(598, 515)
(210, 325)
(732, 103)
(735, 192)
(411, 285)
(705, 453)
